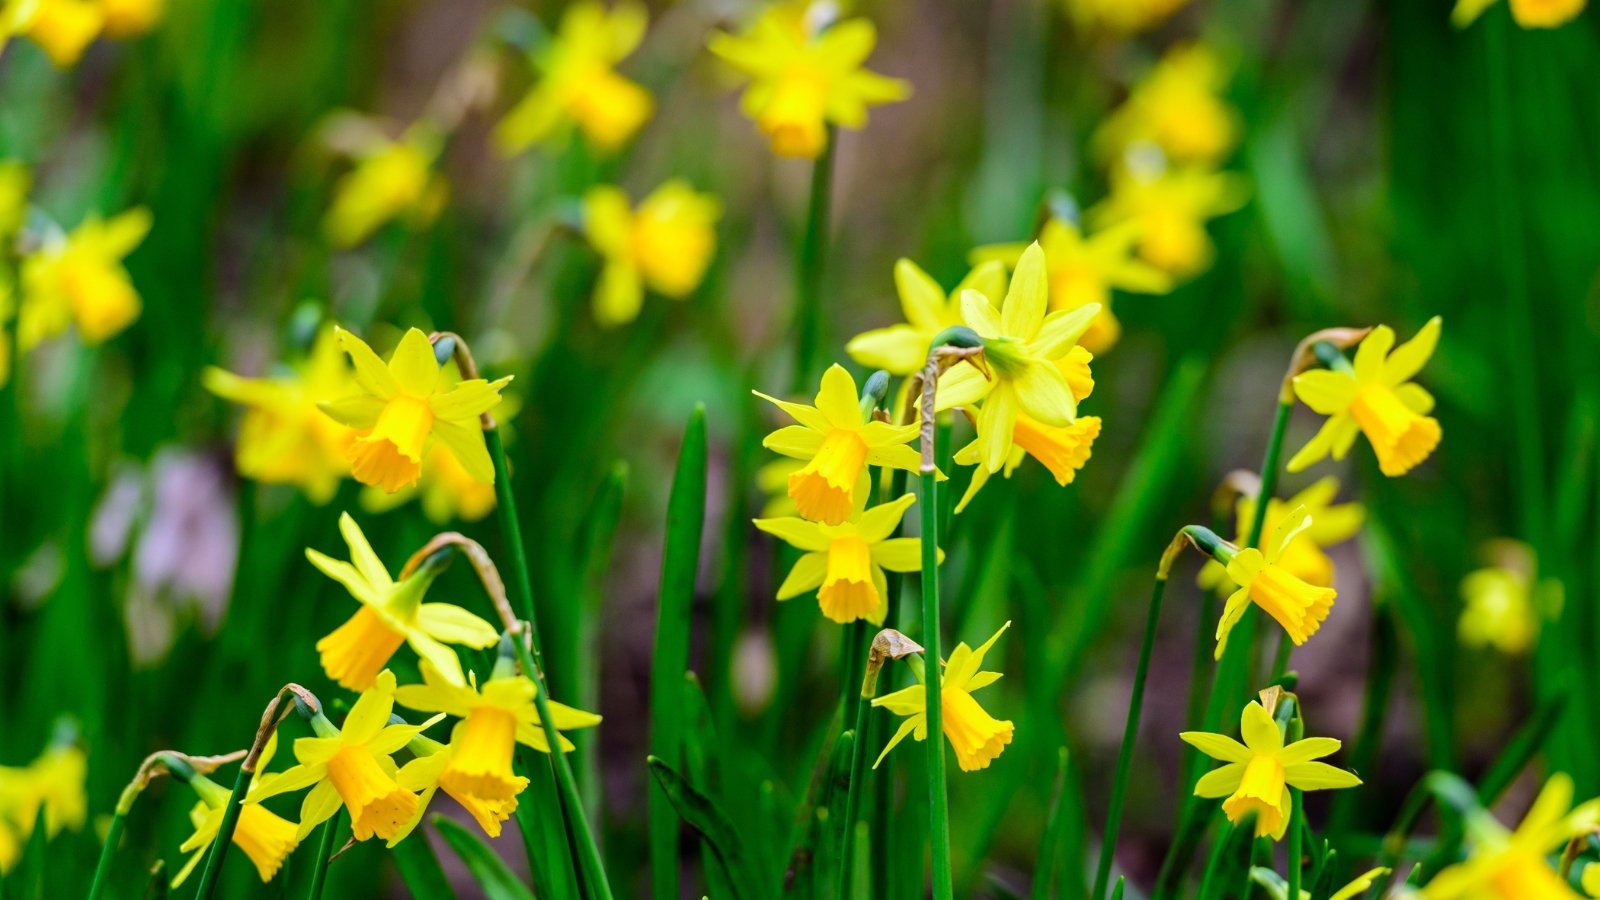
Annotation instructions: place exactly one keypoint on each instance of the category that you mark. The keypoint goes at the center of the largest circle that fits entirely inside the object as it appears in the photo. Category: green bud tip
(1331, 356)
(872, 394)
(956, 336)
(308, 710)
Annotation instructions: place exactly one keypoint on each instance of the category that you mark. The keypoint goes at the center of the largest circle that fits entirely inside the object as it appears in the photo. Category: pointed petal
(1026, 298)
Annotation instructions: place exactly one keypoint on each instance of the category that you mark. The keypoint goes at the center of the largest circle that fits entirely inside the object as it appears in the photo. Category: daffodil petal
(1217, 746)
(1316, 776)
(1220, 782)
(453, 625)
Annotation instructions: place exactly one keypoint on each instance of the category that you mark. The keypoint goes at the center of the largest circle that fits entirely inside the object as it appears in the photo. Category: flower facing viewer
(666, 243)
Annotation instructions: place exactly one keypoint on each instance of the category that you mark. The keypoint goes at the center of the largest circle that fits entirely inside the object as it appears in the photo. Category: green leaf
(487, 868)
(420, 870)
(725, 840)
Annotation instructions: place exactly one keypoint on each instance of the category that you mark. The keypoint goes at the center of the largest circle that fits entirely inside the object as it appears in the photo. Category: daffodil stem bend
(1130, 732)
(528, 655)
(219, 847)
(319, 869)
(811, 262)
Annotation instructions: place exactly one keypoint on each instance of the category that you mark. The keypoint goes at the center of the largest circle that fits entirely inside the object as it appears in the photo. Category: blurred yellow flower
(284, 436)
(1121, 18)
(1497, 601)
(1297, 606)
(494, 717)
(446, 491)
(81, 280)
(666, 243)
(903, 349)
(838, 441)
(1168, 209)
(62, 28)
(1083, 270)
(805, 74)
(52, 782)
(1374, 396)
(1526, 13)
(844, 563)
(1177, 107)
(406, 407)
(130, 18)
(391, 614)
(265, 837)
(1022, 350)
(1511, 865)
(578, 84)
(1259, 772)
(1302, 557)
(390, 180)
(977, 737)
(352, 767)
(15, 181)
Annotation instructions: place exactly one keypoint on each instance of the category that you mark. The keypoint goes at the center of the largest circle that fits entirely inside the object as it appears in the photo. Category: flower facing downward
(977, 737)
(1375, 397)
(844, 563)
(405, 407)
(81, 281)
(1178, 107)
(903, 349)
(837, 441)
(1299, 607)
(352, 767)
(1303, 557)
(391, 614)
(1259, 772)
(803, 76)
(265, 837)
(1511, 865)
(666, 243)
(578, 84)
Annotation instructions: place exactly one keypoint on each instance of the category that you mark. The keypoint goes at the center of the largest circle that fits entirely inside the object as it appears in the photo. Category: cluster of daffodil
(64, 29)
(48, 792)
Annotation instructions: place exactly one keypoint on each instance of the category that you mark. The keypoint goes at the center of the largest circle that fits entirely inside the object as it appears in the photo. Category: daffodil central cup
(265, 837)
(977, 737)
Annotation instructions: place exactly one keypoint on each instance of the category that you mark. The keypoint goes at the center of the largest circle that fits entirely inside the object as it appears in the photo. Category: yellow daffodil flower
(1498, 609)
(1063, 451)
(284, 436)
(62, 28)
(903, 349)
(1169, 209)
(804, 76)
(1511, 865)
(391, 180)
(1526, 13)
(578, 83)
(81, 280)
(1083, 270)
(844, 563)
(1121, 18)
(1259, 772)
(405, 407)
(1022, 350)
(391, 614)
(445, 490)
(977, 737)
(1374, 396)
(1177, 107)
(265, 837)
(130, 18)
(15, 181)
(53, 781)
(1299, 607)
(494, 719)
(666, 243)
(352, 767)
(422, 774)
(838, 442)
(1303, 557)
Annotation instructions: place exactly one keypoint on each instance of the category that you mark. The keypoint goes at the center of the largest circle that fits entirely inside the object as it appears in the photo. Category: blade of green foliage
(420, 870)
(488, 869)
(725, 840)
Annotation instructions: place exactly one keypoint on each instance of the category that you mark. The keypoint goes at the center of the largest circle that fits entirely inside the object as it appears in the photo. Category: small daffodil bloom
(903, 349)
(1022, 350)
(1168, 210)
(391, 180)
(1376, 397)
(62, 28)
(804, 76)
(1259, 772)
(1303, 557)
(405, 407)
(977, 737)
(265, 837)
(578, 85)
(666, 243)
(352, 767)
(391, 614)
(1512, 865)
(845, 563)
(837, 441)
(81, 281)
(1299, 607)
(1498, 608)
(1082, 271)
(1177, 107)
(52, 783)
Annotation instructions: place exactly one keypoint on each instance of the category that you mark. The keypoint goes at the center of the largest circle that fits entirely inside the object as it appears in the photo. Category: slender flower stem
(810, 263)
(529, 655)
(1296, 817)
(113, 835)
(852, 801)
(319, 868)
(224, 839)
(938, 800)
(1269, 471)
(1130, 732)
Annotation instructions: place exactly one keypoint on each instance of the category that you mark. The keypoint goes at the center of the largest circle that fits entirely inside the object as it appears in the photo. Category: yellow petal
(1026, 297)
(414, 366)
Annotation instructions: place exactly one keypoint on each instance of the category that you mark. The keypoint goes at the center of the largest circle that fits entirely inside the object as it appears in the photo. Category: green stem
(1214, 862)
(1130, 733)
(852, 799)
(1296, 816)
(1269, 472)
(938, 800)
(594, 874)
(219, 847)
(113, 835)
(809, 268)
(319, 868)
